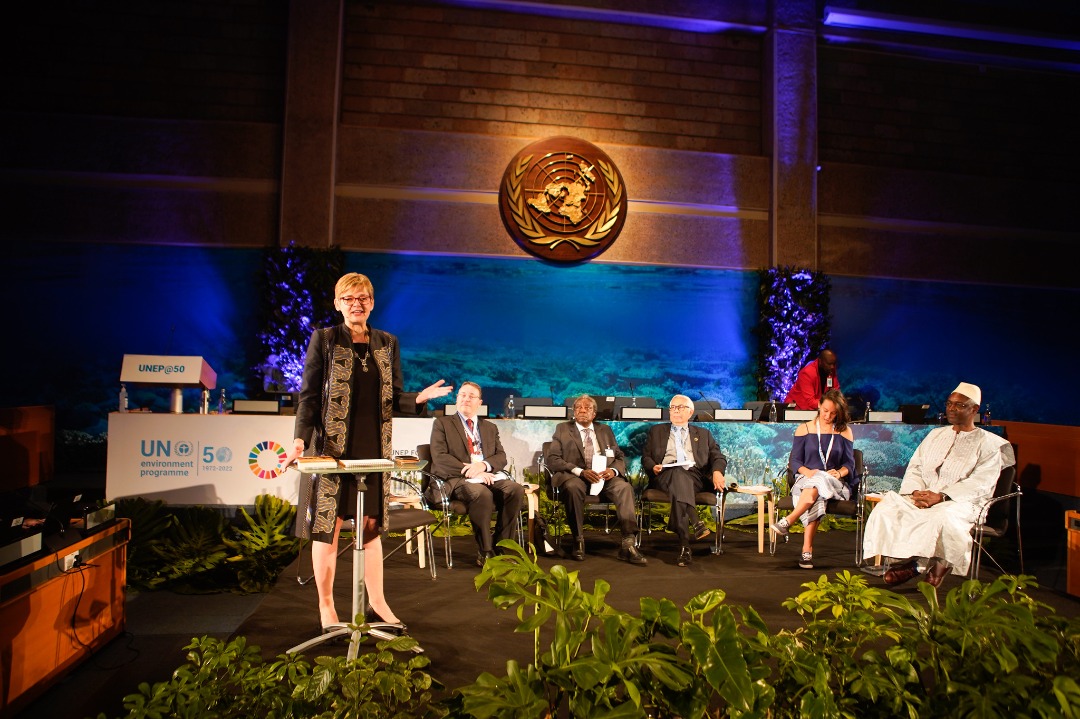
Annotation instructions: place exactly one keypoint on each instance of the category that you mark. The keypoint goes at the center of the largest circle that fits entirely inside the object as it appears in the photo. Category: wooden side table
(532, 505)
(764, 496)
(413, 502)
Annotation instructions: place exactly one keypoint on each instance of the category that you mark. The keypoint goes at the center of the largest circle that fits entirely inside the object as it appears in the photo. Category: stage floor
(460, 630)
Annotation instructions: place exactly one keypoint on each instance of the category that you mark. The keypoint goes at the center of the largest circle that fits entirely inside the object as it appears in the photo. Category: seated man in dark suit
(467, 454)
(682, 461)
(581, 455)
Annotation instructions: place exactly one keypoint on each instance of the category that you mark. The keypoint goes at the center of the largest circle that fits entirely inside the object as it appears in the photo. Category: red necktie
(469, 435)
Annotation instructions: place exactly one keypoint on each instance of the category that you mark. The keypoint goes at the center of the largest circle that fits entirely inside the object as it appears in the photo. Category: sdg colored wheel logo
(264, 460)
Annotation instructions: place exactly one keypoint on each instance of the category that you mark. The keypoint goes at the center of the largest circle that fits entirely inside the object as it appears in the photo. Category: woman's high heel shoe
(398, 628)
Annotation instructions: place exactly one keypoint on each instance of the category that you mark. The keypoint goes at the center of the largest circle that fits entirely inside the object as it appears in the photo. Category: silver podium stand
(359, 591)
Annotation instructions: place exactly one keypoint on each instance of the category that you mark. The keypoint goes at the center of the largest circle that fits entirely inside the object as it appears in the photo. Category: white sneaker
(780, 527)
(806, 561)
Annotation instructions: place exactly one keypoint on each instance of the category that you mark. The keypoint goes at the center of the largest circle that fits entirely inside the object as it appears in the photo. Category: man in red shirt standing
(814, 380)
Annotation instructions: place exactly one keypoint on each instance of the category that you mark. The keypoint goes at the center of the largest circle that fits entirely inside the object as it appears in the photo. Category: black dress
(364, 440)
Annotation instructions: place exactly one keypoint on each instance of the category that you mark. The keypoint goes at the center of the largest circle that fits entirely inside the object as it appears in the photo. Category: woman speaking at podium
(350, 389)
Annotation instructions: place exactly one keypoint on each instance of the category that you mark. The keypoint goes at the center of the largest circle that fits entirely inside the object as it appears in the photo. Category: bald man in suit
(700, 468)
(467, 454)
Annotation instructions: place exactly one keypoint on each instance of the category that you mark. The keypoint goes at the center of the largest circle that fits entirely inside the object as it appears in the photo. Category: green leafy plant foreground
(195, 550)
(984, 650)
(987, 650)
(227, 681)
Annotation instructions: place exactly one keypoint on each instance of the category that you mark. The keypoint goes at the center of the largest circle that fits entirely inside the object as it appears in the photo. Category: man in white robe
(952, 473)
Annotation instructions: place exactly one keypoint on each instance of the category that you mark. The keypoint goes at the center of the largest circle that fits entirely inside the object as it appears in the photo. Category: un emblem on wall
(563, 199)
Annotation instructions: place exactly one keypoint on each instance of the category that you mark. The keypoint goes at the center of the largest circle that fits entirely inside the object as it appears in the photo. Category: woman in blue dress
(823, 465)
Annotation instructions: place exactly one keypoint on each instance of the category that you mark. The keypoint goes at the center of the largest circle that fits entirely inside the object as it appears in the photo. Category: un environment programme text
(160, 468)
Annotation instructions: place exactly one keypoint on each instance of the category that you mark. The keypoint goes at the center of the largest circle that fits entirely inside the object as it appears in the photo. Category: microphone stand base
(379, 630)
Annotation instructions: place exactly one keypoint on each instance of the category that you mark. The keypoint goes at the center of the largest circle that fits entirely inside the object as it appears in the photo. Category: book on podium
(368, 464)
(312, 464)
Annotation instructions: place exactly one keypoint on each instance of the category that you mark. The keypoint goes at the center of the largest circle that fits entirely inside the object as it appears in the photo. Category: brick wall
(886, 110)
(501, 74)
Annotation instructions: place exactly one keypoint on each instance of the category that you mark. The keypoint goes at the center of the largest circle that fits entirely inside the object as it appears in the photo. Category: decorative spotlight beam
(866, 20)
(577, 12)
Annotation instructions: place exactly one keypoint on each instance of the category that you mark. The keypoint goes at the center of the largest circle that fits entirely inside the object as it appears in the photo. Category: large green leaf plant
(985, 650)
(265, 546)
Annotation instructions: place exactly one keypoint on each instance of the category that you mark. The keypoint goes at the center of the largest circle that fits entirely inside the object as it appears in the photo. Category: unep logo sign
(264, 460)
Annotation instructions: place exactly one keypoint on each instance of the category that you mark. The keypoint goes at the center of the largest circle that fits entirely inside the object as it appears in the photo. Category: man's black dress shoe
(629, 553)
(901, 573)
(483, 557)
(701, 531)
(579, 549)
(685, 557)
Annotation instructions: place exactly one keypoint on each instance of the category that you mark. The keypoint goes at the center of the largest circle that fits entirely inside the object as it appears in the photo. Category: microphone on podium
(707, 416)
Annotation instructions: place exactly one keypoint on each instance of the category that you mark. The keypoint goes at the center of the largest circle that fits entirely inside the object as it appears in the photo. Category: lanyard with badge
(824, 463)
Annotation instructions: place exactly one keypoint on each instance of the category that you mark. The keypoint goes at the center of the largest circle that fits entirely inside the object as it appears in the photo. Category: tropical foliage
(987, 650)
(982, 650)
(196, 550)
(232, 681)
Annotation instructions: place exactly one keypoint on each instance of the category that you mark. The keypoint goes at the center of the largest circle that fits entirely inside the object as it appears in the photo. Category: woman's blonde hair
(352, 282)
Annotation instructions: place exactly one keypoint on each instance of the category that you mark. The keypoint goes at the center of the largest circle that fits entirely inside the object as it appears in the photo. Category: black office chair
(652, 496)
(409, 517)
(993, 521)
(555, 495)
(855, 507)
(433, 487)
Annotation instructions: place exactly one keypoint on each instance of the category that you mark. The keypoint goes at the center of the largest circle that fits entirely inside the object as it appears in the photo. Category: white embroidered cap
(970, 391)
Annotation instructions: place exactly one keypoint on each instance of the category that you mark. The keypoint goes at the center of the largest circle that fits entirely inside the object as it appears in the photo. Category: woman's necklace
(367, 350)
(364, 359)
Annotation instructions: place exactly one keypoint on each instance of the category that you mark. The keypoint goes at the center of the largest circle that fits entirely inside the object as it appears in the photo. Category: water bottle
(124, 400)
(772, 411)
(508, 410)
(221, 402)
(866, 417)
(986, 416)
